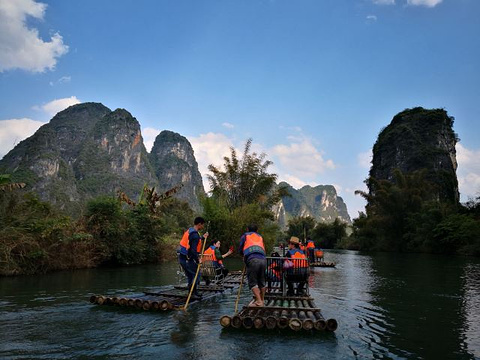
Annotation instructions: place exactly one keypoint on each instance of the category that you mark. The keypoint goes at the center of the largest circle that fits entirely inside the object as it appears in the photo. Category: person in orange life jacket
(311, 250)
(188, 253)
(253, 251)
(217, 257)
(274, 271)
(299, 272)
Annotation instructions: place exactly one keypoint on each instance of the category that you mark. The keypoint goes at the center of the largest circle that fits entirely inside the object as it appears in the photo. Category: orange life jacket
(299, 255)
(253, 244)
(211, 252)
(310, 244)
(273, 268)
(185, 245)
(319, 253)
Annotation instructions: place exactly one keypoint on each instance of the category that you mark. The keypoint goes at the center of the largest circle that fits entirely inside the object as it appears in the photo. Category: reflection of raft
(322, 264)
(295, 313)
(173, 297)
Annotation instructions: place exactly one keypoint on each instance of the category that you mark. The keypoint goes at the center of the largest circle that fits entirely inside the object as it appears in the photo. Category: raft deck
(172, 297)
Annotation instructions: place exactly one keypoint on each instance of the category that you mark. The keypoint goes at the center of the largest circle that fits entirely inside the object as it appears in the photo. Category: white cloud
(384, 2)
(62, 80)
(21, 47)
(364, 159)
(15, 130)
(210, 148)
(149, 135)
(468, 172)
(292, 180)
(57, 105)
(228, 125)
(302, 159)
(427, 3)
(371, 18)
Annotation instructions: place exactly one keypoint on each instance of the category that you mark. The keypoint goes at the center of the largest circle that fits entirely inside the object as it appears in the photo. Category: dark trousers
(311, 255)
(299, 277)
(190, 268)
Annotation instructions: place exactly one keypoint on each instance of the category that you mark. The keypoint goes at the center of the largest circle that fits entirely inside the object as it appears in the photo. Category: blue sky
(312, 82)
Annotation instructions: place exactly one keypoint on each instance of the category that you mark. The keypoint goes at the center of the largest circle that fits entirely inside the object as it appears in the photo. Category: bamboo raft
(295, 313)
(171, 298)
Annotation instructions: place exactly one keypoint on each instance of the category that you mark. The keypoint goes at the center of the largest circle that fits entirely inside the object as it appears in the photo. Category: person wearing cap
(298, 273)
(253, 251)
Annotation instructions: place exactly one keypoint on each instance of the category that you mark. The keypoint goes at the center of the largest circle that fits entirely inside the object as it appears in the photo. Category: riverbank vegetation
(325, 235)
(402, 216)
(36, 237)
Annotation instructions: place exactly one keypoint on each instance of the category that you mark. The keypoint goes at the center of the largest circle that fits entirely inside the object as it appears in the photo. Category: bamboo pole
(240, 288)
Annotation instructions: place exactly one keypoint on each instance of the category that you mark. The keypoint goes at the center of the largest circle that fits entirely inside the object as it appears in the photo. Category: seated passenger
(297, 271)
(274, 270)
(217, 259)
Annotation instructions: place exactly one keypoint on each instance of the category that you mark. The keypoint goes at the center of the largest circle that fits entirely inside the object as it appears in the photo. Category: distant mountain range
(89, 150)
(320, 202)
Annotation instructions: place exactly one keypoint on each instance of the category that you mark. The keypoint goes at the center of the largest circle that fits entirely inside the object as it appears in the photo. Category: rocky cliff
(88, 150)
(419, 139)
(320, 202)
(174, 163)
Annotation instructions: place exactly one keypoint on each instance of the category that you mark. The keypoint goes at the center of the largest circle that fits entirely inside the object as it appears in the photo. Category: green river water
(399, 306)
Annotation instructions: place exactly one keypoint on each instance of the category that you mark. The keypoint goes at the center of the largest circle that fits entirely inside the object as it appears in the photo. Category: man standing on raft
(189, 249)
(253, 250)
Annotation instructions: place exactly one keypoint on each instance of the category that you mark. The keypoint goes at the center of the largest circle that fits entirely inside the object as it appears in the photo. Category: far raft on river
(173, 297)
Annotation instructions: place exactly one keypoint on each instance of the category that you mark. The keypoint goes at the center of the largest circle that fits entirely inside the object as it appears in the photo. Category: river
(399, 306)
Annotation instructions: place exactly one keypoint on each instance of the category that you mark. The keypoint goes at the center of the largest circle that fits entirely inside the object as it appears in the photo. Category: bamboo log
(164, 305)
(131, 302)
(320, 323)
(332, 325)
(93, 299)
(282, 321)
(147, 304)
(123, 302)
(237, 322)
(258, 322)
(138, 303)
(248, 319)
(100, 300)
(225, 321)
(108, 301)
(294, 323)
(115, 300)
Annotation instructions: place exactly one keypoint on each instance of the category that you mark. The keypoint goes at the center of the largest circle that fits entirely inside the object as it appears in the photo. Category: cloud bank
(13, 131)
(21, 47)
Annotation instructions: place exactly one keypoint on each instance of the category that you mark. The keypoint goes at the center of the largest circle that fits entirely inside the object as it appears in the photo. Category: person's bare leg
(258, 296)
(262, 294)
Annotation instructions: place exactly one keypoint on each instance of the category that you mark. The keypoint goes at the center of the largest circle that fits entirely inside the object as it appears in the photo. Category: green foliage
(401, 216)
(328, 235)
(34, 238)
(301, 227)
(244, 181)
(242, 194)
